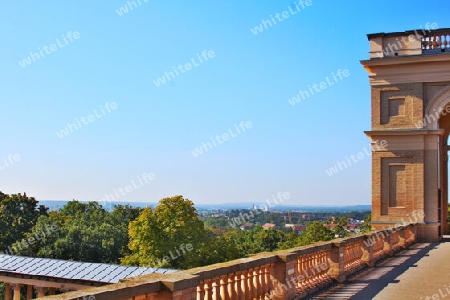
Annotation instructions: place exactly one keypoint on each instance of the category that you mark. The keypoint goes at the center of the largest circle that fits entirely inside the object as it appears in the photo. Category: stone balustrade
(285, 274)
(436, 39)
(407, 43)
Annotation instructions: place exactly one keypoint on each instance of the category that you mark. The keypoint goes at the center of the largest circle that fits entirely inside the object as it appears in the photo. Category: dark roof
(71, 270)
(300, 227)
(421, 31)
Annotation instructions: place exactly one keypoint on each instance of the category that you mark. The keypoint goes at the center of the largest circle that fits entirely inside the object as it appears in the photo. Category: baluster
(262, 282)
(349, 249)
(238, 287)
(268, 280)
(208, 289)
(299, 268)
(353, 255)
(251, 291)
(434, 42)
(216, 289)
(255, 290)
(245, 285)
(305, 283)
(231, 287)
(201, 291)
(314, 269)
(319, 266)
(439, 41)
(223, 288)
(310, 270)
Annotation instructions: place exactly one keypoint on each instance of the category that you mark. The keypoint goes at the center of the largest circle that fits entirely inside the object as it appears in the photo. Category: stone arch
(438, 101)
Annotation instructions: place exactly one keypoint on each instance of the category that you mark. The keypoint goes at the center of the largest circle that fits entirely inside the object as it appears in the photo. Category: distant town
(245, 216)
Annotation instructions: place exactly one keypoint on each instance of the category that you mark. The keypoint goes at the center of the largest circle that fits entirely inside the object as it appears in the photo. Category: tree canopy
(170, 235)
(18, 214)
(173, 236)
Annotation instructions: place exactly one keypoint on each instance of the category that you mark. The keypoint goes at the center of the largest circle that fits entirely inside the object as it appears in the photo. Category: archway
(437, 116)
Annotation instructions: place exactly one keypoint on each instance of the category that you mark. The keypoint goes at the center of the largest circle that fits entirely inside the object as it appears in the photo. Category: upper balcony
(411, 42)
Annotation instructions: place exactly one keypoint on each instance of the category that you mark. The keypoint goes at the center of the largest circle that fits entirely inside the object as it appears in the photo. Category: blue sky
(155, 129)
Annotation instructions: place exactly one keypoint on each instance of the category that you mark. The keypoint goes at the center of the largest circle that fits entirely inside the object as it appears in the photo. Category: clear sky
(103, 78)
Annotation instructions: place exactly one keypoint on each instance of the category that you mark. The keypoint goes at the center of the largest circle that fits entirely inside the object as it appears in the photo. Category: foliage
(316, 232)
(164, 236)
(366, 227)
(84, 232)
(18, 215)
(257, 240)
(170, 236)
(339, 230)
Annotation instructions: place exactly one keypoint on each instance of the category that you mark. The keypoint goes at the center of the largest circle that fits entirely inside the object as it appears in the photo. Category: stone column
(367, 248)
(388, 245)
(402, 237)
(337, 262)
(279, 274)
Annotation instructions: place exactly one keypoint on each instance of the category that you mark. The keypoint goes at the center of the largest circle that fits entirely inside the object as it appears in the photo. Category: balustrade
(434, 40)
(278, 275)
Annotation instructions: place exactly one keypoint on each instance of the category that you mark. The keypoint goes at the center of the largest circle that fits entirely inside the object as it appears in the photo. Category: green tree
(18, 215)
(365, 226)
(339, 230)
(173, 236)
(85, 232)
(292, 240)
(315, 232)
(257, 240)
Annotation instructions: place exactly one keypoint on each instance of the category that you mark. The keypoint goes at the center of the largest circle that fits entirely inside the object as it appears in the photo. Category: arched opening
(444, 148)
(437, 116)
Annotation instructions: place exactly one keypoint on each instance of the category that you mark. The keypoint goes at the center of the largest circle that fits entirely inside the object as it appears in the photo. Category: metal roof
(72, 270)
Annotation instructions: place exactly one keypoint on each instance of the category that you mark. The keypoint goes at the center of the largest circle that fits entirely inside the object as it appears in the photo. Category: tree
(292, 240)
(84, 232)
(315, 232)
(18, 214)
(257, 240)
(365, 226)
(339, 229)
(173, 236)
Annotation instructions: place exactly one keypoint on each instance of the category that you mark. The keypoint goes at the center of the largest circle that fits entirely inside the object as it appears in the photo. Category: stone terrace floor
(419, 272)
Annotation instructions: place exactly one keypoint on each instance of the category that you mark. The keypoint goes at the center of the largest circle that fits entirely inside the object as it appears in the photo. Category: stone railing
(286, 274)
(411, 42)
(436, 40)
